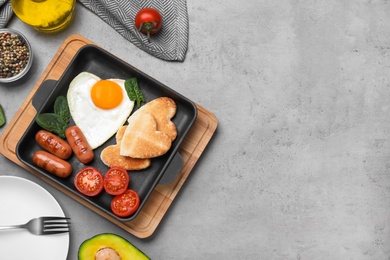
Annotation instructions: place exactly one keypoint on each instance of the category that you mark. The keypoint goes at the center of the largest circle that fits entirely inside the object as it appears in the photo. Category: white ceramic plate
(20, 201)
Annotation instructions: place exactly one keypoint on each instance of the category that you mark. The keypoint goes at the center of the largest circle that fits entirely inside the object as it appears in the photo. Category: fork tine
(54, 218)
(52, 232)
(56, 227)
(55, 223)
(52, 225)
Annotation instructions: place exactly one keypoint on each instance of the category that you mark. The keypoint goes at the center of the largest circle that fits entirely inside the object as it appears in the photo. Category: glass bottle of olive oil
(44, 15)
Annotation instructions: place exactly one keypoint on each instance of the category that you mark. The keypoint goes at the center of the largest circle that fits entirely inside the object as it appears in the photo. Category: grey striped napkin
(5, 12)
(169, 44)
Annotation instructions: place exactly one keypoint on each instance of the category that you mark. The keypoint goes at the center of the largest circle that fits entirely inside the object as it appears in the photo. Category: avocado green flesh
(123, 247)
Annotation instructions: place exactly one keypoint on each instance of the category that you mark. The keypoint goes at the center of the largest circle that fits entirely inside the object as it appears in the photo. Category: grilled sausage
(52, 164)
(53, 144)
(79, 144)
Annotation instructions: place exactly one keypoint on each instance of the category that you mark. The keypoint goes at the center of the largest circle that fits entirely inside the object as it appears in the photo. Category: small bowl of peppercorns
(15, 55)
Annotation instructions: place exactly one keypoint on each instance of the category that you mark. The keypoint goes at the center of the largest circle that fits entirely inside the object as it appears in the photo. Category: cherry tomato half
(116, 181)
(148, 21)
(125, 204)
(89, 181)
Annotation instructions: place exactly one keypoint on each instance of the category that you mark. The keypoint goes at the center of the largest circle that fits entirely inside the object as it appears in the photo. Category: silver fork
(43, 225)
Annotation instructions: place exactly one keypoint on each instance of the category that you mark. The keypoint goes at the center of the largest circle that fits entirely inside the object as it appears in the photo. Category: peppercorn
(14, 55)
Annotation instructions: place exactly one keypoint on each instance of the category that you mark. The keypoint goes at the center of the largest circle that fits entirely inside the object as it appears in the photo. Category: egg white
(97, 124)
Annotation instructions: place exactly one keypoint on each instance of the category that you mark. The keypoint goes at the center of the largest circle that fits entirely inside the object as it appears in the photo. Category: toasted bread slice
(142, 139)
(150, 131)
(111, 156)
(119, 135)
(163, 110)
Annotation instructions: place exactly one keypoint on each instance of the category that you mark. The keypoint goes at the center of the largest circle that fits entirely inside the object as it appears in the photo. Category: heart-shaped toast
(111, 156)
(142, 139)
(150, 131)
(163, 110)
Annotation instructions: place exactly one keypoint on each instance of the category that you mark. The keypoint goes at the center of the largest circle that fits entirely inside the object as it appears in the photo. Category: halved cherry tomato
(148, 21)
(89, 181)
(116, 180)
(125, 204)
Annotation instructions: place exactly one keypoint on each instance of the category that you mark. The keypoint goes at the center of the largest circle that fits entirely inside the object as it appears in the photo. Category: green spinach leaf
(58, 121)
(133, 91)
(2, 116)
(61, 108)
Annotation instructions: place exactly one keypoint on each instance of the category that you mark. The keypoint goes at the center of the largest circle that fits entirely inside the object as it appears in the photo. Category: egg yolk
(106, 94)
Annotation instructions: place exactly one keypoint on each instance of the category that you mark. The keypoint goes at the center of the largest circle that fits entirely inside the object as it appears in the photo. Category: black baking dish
(93, 59)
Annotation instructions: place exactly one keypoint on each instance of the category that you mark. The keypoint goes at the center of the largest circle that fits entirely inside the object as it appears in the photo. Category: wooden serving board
(163, 195)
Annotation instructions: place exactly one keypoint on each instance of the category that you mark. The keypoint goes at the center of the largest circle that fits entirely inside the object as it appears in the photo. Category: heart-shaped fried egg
(98, 107)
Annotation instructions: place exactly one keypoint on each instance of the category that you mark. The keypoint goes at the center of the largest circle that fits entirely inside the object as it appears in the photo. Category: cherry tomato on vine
(116, 181)
(125, 204)
(148, 21)
(89, 181)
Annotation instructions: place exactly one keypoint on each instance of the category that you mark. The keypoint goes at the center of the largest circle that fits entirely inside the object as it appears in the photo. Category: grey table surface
(299, 167)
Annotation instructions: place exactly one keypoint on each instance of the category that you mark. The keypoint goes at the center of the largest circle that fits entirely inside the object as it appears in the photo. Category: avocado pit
(107, 253)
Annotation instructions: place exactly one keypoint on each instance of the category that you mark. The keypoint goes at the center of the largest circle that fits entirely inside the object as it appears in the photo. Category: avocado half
(109, 246)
